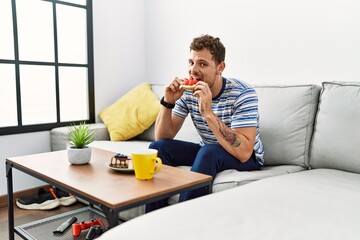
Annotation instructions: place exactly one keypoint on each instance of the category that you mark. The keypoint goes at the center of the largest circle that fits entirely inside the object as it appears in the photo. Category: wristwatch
(166, 104)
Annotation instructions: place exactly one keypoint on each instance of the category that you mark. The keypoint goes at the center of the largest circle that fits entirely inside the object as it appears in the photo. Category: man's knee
(210, 152)
(159, 144)
(208, 160)
(163, 146)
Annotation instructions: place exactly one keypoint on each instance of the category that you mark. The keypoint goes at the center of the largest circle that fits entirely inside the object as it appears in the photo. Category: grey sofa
(309, 187)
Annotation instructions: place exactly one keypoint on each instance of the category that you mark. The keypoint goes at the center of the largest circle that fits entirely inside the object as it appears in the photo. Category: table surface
(101, 184)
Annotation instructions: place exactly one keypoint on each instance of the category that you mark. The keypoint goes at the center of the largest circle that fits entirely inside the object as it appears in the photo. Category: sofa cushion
(232, 178)
(286, 122)
(336, 141)
(132, 114)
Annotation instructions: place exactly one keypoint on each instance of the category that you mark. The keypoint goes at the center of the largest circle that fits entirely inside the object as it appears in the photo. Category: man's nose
(193, 69)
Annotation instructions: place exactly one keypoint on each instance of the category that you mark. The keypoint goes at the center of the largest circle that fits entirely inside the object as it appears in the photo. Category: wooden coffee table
(105, 188)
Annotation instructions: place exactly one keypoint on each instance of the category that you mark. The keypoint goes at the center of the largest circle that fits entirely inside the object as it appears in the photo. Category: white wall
(18, 145)
(278, 41)
(119, 48)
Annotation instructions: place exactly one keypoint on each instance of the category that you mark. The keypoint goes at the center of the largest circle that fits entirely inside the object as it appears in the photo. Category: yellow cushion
(132, 114)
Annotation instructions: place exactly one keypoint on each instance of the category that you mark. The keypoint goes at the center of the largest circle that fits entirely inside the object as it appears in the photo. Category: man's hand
(167, 125)
(203, 92)
(173, 91)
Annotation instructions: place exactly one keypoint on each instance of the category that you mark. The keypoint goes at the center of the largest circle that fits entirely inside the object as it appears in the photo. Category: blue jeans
(209, 159)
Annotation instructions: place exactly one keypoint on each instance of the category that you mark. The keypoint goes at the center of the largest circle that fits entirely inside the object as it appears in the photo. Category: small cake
(119, 161)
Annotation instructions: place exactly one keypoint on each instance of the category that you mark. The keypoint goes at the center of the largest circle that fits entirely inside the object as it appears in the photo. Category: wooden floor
(25, 216)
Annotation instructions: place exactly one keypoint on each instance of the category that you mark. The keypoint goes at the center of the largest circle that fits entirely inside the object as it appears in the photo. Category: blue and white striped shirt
(236, 105)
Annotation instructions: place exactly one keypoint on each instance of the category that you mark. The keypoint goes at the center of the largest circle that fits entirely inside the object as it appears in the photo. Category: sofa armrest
(59, 135)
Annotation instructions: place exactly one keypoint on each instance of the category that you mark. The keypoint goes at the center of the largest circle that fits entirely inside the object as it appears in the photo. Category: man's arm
(167, 125)
(238, 142)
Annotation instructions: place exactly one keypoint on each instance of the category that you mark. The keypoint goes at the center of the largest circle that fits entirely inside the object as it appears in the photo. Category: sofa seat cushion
(336, 140)
(320, 204)
(232, 178)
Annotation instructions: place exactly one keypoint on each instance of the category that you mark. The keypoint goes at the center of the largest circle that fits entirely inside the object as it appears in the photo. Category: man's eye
(203, 64)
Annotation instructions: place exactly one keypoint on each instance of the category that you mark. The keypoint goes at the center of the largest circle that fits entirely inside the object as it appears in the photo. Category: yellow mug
(146, 163)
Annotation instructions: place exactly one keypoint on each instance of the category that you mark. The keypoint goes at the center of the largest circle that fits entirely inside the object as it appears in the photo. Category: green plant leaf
(80, 136)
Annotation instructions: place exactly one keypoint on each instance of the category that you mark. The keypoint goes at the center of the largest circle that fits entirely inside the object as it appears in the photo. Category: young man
(224, 112)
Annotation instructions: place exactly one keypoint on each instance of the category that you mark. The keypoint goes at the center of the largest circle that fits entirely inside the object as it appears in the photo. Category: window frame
(20, 128)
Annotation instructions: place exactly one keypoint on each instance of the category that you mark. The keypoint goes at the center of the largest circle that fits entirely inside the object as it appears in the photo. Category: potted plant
(79, 138)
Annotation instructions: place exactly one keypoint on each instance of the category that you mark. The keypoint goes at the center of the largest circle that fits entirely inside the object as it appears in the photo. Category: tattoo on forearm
(229, 135)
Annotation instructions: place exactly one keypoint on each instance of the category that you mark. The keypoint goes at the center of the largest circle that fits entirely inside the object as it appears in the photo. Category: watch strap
(166, 104)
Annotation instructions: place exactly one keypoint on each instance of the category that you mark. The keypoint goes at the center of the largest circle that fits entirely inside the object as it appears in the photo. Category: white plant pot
(79, 156)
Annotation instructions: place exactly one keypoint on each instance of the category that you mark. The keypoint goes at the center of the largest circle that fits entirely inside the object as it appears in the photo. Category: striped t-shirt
(236, 105)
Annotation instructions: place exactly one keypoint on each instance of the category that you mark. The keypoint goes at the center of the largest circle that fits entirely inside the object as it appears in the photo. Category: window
(46, 64)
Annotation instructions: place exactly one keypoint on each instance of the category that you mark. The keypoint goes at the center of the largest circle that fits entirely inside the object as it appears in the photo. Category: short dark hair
(213, 44)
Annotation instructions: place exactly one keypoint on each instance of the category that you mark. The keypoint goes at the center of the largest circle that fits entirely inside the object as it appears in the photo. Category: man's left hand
(203, 92)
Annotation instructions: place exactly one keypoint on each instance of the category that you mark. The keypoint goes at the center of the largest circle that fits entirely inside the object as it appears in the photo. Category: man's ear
(220, 67)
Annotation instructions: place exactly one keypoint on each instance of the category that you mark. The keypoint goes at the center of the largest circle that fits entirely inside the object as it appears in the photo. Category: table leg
(10, 200)
(210, 187)
(111, 216)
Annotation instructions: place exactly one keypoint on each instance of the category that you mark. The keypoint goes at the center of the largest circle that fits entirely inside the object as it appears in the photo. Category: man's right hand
(167, 125)
(173, 91)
